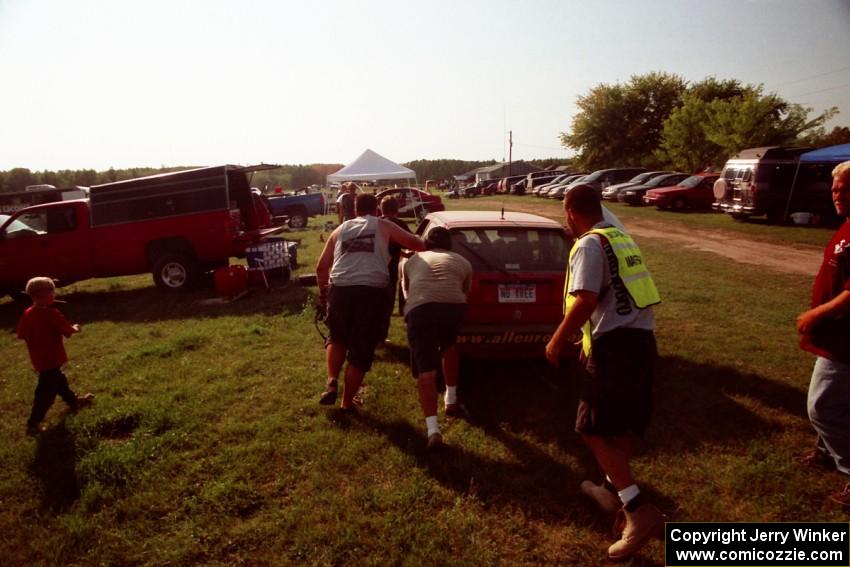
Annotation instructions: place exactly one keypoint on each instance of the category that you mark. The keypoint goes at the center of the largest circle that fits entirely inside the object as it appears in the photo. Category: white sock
(451, 395)
(431, 424)
(628, 494)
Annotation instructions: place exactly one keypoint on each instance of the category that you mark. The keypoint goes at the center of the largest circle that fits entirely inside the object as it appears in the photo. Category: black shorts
(431, 328)
(355, 319)
(616, 390)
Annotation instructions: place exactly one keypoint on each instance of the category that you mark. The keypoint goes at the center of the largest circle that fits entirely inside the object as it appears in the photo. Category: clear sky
(94, 84)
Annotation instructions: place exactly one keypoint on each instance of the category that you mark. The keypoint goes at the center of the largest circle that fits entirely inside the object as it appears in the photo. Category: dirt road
(792, 259)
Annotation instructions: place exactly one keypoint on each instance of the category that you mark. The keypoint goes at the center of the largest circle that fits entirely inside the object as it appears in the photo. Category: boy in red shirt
(42, 326)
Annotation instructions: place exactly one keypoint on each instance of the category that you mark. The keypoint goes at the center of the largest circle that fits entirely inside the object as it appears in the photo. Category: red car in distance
(411, 199)
(695, 192)
(518, 262)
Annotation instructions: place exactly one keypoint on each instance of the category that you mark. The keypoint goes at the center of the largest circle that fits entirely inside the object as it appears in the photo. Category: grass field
(206, 444)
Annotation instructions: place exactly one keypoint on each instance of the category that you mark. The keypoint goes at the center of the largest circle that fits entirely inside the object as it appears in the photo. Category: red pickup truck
(175, 225)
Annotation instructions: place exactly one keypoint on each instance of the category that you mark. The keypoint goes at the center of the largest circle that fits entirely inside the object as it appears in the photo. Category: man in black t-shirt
(389, 211)
(345, 202)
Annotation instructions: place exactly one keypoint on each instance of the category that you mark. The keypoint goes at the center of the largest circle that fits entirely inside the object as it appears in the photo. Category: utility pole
(510, 150)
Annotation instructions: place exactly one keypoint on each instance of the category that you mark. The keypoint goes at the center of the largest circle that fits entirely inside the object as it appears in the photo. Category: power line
(823, 90)
(813, 77)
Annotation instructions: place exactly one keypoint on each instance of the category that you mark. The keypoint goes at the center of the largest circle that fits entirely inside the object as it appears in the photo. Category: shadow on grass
(392, 352)
(152, 304)
(694, 404)
(533, 482)
(54, 466)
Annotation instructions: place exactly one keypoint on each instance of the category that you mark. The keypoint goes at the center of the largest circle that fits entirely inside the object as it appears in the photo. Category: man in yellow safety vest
(608, 297)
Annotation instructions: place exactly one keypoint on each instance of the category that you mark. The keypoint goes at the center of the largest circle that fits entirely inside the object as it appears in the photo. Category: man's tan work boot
(641, 525)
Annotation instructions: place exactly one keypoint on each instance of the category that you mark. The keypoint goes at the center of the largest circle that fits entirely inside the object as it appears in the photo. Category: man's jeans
(829, 409)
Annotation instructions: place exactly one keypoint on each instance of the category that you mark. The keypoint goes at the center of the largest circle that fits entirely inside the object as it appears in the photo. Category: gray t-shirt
(435, 276)
(590, 270)
(361, 254)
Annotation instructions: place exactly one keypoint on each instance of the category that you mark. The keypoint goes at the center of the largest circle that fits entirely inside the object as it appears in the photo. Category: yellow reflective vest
(630, 270)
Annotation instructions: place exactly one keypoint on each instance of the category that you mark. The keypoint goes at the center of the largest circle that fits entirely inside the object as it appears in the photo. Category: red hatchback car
(695, 192)
(410, 199)
(518, 262)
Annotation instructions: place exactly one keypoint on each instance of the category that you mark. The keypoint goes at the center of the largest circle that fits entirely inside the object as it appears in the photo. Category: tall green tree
(623, 124)
(757, 119)
(684, 144)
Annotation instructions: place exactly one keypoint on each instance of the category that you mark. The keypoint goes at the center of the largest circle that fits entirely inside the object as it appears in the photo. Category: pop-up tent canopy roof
(371, 166)
(831, 154)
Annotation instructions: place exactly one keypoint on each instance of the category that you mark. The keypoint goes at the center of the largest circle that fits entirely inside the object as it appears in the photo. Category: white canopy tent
(371, 166)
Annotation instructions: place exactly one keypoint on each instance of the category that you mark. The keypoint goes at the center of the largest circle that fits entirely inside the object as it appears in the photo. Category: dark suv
(602, 178)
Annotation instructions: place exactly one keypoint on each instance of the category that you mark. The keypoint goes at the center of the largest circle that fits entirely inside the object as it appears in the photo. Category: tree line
(287, 177)
(660, 120)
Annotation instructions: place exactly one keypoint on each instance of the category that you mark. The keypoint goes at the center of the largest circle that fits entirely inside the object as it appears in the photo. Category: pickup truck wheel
(174, 272)
(297, 220)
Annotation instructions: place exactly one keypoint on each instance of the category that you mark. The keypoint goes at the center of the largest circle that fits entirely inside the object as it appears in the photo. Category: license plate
(517, 293)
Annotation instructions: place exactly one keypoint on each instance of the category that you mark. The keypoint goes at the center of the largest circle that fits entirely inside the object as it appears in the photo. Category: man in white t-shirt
(435, 283)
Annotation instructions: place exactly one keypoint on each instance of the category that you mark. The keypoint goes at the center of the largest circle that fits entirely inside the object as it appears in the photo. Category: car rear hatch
(518, 274)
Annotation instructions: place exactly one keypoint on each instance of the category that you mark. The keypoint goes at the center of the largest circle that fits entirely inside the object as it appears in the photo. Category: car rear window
(512, 249)
(692, 181)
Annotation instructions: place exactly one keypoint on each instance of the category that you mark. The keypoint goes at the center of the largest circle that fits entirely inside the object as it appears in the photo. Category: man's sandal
(328, 397)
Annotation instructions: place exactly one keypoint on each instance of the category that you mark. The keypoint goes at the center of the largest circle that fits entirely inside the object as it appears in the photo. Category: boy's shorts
(431, 328)
(616, 391)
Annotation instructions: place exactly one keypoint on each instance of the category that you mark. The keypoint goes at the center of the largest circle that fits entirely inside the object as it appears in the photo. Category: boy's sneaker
(842, 497)
(35, 430)
(606, 500)
(83, 402)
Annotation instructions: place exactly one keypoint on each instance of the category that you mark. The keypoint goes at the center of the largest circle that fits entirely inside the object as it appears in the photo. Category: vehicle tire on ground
(680, 204)
(739, 216)
(175, 271)
(297, 218)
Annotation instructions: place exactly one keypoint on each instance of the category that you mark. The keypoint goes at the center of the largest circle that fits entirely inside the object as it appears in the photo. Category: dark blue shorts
(431, 328)
(356, 319)
(616, 392)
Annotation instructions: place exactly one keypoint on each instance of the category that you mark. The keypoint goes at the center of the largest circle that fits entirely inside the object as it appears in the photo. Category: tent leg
(790, 193)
